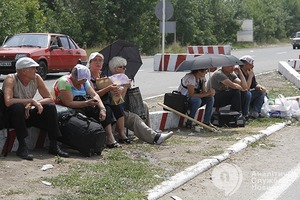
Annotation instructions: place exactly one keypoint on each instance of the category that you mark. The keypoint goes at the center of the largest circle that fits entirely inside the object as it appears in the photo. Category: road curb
(189, 173)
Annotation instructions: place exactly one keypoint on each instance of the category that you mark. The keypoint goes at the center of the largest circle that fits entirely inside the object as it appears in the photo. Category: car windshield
(27, 40)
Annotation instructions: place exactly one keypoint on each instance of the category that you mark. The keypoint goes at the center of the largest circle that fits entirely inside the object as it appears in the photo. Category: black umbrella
(126, 50)
(209, 61)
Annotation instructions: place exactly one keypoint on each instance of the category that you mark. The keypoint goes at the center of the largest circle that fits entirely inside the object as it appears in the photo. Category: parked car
(54, 52)
(295, 40)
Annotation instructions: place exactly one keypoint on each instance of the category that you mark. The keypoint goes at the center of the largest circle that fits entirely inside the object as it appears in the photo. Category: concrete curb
(206, 164)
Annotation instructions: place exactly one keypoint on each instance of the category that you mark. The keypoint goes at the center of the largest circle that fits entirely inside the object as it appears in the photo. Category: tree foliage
(198, 22)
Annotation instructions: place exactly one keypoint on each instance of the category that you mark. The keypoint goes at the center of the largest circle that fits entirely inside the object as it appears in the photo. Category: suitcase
(177, 101)
(228, 118)
(82, 133)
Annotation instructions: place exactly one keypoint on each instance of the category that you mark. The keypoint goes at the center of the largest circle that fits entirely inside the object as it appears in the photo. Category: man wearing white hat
(257, 91)
(24, 111)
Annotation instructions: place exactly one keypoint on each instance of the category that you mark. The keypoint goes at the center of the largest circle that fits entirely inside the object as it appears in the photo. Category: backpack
(82, 133)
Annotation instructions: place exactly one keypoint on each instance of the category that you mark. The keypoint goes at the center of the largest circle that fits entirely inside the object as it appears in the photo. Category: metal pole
(163, 33)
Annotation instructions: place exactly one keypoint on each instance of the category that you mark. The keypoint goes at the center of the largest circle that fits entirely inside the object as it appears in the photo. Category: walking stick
(189, 118)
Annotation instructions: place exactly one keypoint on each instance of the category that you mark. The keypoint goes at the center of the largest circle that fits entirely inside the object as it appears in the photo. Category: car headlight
(20, 55)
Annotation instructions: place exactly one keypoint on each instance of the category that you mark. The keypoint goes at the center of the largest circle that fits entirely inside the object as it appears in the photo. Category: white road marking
(281, 185)
(281, 52)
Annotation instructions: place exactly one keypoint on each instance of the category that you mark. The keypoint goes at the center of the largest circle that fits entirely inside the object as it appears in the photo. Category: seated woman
(77, 84)
(193, 85)
(141, 128)
(95, 65)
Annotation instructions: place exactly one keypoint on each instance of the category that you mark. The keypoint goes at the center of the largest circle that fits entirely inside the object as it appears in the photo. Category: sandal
(123, 141)
(113, 145)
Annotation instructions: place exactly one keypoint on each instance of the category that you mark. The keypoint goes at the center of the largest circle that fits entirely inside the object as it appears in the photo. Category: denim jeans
(257, 100)
(246, 99)
(196, 102)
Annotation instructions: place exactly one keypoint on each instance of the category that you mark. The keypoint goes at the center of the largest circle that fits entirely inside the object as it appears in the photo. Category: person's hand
(27, 108)
(263, 90)
(250, 72)
(102, 114)
(237, 69)
(38, 106)
(92, 102)
(211, 92)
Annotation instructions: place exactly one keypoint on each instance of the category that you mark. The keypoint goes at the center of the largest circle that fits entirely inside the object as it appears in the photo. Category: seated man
(229, 87)
(117, 65)
(24, 111)
(257, 91)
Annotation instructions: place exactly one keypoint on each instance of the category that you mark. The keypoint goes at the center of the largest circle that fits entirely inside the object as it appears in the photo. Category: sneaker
(254, 115)
(164, 136)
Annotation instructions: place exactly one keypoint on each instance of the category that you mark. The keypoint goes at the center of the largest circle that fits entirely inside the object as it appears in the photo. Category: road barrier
(171, 61)
(218, 49)
(294, 63)
(289, 73)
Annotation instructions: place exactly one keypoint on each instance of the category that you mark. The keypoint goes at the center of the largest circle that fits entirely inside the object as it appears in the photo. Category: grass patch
(213, 151)
(262, 144)
(111, 178)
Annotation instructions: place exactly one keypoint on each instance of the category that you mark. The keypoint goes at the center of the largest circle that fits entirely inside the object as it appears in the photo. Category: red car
(54, 52)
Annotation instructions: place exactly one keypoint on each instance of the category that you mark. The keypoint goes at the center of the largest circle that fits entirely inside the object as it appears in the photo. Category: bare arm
(241, 81)
(232, 85)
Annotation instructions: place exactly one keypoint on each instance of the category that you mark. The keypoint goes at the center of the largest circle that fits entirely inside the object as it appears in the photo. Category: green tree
(12, 18)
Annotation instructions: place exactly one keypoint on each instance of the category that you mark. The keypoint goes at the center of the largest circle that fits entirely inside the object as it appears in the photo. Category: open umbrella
(208, 61)
(126, 50)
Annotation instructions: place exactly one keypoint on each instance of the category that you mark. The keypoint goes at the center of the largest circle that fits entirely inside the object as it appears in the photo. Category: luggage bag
(228, 118)
(82, 133)
(177, 101)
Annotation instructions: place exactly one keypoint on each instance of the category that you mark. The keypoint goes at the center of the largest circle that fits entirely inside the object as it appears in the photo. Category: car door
(56, 59)
(70, 57)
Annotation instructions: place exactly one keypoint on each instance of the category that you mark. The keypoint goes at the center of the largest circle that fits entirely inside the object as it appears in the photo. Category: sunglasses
(123, 67)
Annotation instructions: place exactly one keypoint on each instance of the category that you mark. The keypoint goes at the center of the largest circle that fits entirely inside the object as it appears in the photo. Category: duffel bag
(82, 133)
(177, 101)
(228, 118)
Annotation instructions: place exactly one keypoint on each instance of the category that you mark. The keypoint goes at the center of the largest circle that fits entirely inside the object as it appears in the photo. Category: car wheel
(294, 47)
(42, 69)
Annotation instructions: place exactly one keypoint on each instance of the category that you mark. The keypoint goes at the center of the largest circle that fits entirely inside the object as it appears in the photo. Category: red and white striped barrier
(294, 63)
(163, 120)
(36, 139)
(171, 61)
(225, 49)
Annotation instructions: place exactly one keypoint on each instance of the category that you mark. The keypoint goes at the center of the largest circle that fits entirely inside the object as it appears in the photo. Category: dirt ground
(21, 179)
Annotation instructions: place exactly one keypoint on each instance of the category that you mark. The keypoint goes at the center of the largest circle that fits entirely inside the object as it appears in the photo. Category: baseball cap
(25, 62)
(92, 56)
(82, 72)
(247, 59)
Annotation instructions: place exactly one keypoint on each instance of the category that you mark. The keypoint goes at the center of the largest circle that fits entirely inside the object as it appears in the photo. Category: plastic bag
(280, 108)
